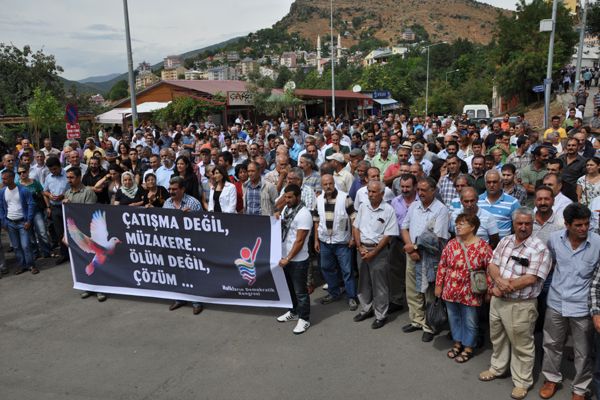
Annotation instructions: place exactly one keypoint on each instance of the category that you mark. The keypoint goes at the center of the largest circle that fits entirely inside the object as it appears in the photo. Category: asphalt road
(55, 345)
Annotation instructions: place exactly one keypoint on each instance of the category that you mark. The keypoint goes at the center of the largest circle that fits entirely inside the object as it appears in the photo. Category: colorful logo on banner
(245, 264)
(97, 243)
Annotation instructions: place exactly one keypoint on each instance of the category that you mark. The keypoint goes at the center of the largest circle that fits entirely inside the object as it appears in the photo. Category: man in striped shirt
(519, 266)
(498, 203)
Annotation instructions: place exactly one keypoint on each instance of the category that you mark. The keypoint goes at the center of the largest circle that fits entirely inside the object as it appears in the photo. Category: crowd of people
(498, 220)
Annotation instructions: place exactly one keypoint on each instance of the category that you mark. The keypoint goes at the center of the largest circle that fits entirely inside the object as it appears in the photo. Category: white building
(222, 73)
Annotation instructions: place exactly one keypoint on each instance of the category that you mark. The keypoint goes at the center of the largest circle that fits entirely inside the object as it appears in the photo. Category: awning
(114, 116)
(149, 107)
(387, 104)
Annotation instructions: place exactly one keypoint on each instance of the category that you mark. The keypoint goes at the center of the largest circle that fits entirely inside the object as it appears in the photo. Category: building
(144, 66)
(288, 59)
(145, 79)
(233, 56)
(171, 74)
(222, 73)
(97, 99)
(318, 101)
(172, 62)
(408, 35)
(268, 72)
(248, 65)
(382, 55)
(163, 92)
(193, 74)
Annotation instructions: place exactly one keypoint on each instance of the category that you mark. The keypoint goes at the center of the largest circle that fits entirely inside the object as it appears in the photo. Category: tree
(21, 72)
(187, 109)
(120, 90)
(45, 112)
(593, 19)
(521, 51)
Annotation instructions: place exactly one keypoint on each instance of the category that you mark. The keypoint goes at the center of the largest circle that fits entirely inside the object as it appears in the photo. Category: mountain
(387, 20)
(81, 87)
(101, 78)
(103, 84)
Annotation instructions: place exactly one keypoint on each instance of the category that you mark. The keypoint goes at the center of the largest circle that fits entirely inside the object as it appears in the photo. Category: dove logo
(97, 243)
(245, 264)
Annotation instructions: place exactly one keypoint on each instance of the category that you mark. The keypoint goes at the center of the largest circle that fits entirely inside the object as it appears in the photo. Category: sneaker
(287, 317)
(101, 297)
(85, 295)
(353, 304)
(325, 287)
(301, 326)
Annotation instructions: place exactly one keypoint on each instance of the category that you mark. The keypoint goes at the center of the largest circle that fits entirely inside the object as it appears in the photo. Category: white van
(477, 112)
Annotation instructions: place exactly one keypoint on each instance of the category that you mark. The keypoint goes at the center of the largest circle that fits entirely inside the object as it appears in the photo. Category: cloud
(102, 28)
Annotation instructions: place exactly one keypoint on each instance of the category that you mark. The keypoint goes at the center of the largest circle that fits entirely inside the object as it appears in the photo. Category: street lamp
(134, 115)
(427, 84)
(332, 66)
(451, 72)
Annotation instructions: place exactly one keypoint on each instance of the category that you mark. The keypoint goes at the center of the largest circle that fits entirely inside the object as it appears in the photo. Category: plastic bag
(437, 316)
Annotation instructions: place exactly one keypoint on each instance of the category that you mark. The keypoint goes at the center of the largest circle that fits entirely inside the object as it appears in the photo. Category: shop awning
(387, 104)
(149, 107)
(114, 116)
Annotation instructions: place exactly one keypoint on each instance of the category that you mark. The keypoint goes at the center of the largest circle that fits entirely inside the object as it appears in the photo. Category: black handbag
(437, 316)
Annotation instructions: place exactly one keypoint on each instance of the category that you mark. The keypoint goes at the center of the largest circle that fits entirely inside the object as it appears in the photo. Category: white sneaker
(325, 286)
(301, 326)
(287, 317)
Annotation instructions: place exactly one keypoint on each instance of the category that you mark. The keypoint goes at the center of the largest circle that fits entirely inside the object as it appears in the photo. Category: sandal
(464, 356)
(455, 350)
(487, 376)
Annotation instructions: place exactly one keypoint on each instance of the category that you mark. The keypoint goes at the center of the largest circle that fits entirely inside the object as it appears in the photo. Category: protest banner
(170, 254)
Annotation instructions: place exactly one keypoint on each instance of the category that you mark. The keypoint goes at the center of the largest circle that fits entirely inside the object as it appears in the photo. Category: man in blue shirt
(55, 187)
(498, 203)
(576, 257)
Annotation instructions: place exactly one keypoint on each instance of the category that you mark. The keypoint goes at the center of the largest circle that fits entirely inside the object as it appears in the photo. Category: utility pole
(580, 49)
(134, 116)
(548, 80)
(332, 66)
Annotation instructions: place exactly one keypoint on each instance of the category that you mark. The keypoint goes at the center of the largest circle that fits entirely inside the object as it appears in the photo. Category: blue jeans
(330, 253)
(295, 276)
(20, 241)
(41, 233)
(463, 323)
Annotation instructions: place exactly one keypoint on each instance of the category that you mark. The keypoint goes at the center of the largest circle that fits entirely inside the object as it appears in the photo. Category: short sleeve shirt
(302, 221)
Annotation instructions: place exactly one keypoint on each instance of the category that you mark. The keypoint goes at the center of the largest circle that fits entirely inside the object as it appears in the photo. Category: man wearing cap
(343, 178)
(356, 155)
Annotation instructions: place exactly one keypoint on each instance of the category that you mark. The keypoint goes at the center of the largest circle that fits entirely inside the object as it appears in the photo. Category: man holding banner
(179, 200)
(296, 224)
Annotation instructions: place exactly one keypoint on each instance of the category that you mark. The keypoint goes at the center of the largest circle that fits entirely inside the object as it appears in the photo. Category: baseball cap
(336, 157)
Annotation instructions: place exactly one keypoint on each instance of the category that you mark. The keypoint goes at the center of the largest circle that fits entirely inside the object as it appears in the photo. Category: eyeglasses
(523, 261)
(22, 172)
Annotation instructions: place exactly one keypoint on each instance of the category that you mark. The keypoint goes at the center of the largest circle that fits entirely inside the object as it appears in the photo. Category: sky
(87, 37)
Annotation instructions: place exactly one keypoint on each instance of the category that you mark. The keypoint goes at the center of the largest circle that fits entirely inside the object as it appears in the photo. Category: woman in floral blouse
(453, 284)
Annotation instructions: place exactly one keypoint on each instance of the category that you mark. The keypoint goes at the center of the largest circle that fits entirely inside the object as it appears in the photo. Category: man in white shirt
(296, 223)
(554, 182)
(362, 194)
(165, 171)
(16, 214)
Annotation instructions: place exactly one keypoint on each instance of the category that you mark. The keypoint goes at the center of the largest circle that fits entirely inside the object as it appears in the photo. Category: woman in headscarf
(129, 194)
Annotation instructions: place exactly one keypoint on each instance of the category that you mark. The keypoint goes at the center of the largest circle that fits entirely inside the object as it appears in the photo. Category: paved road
(55, 345)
